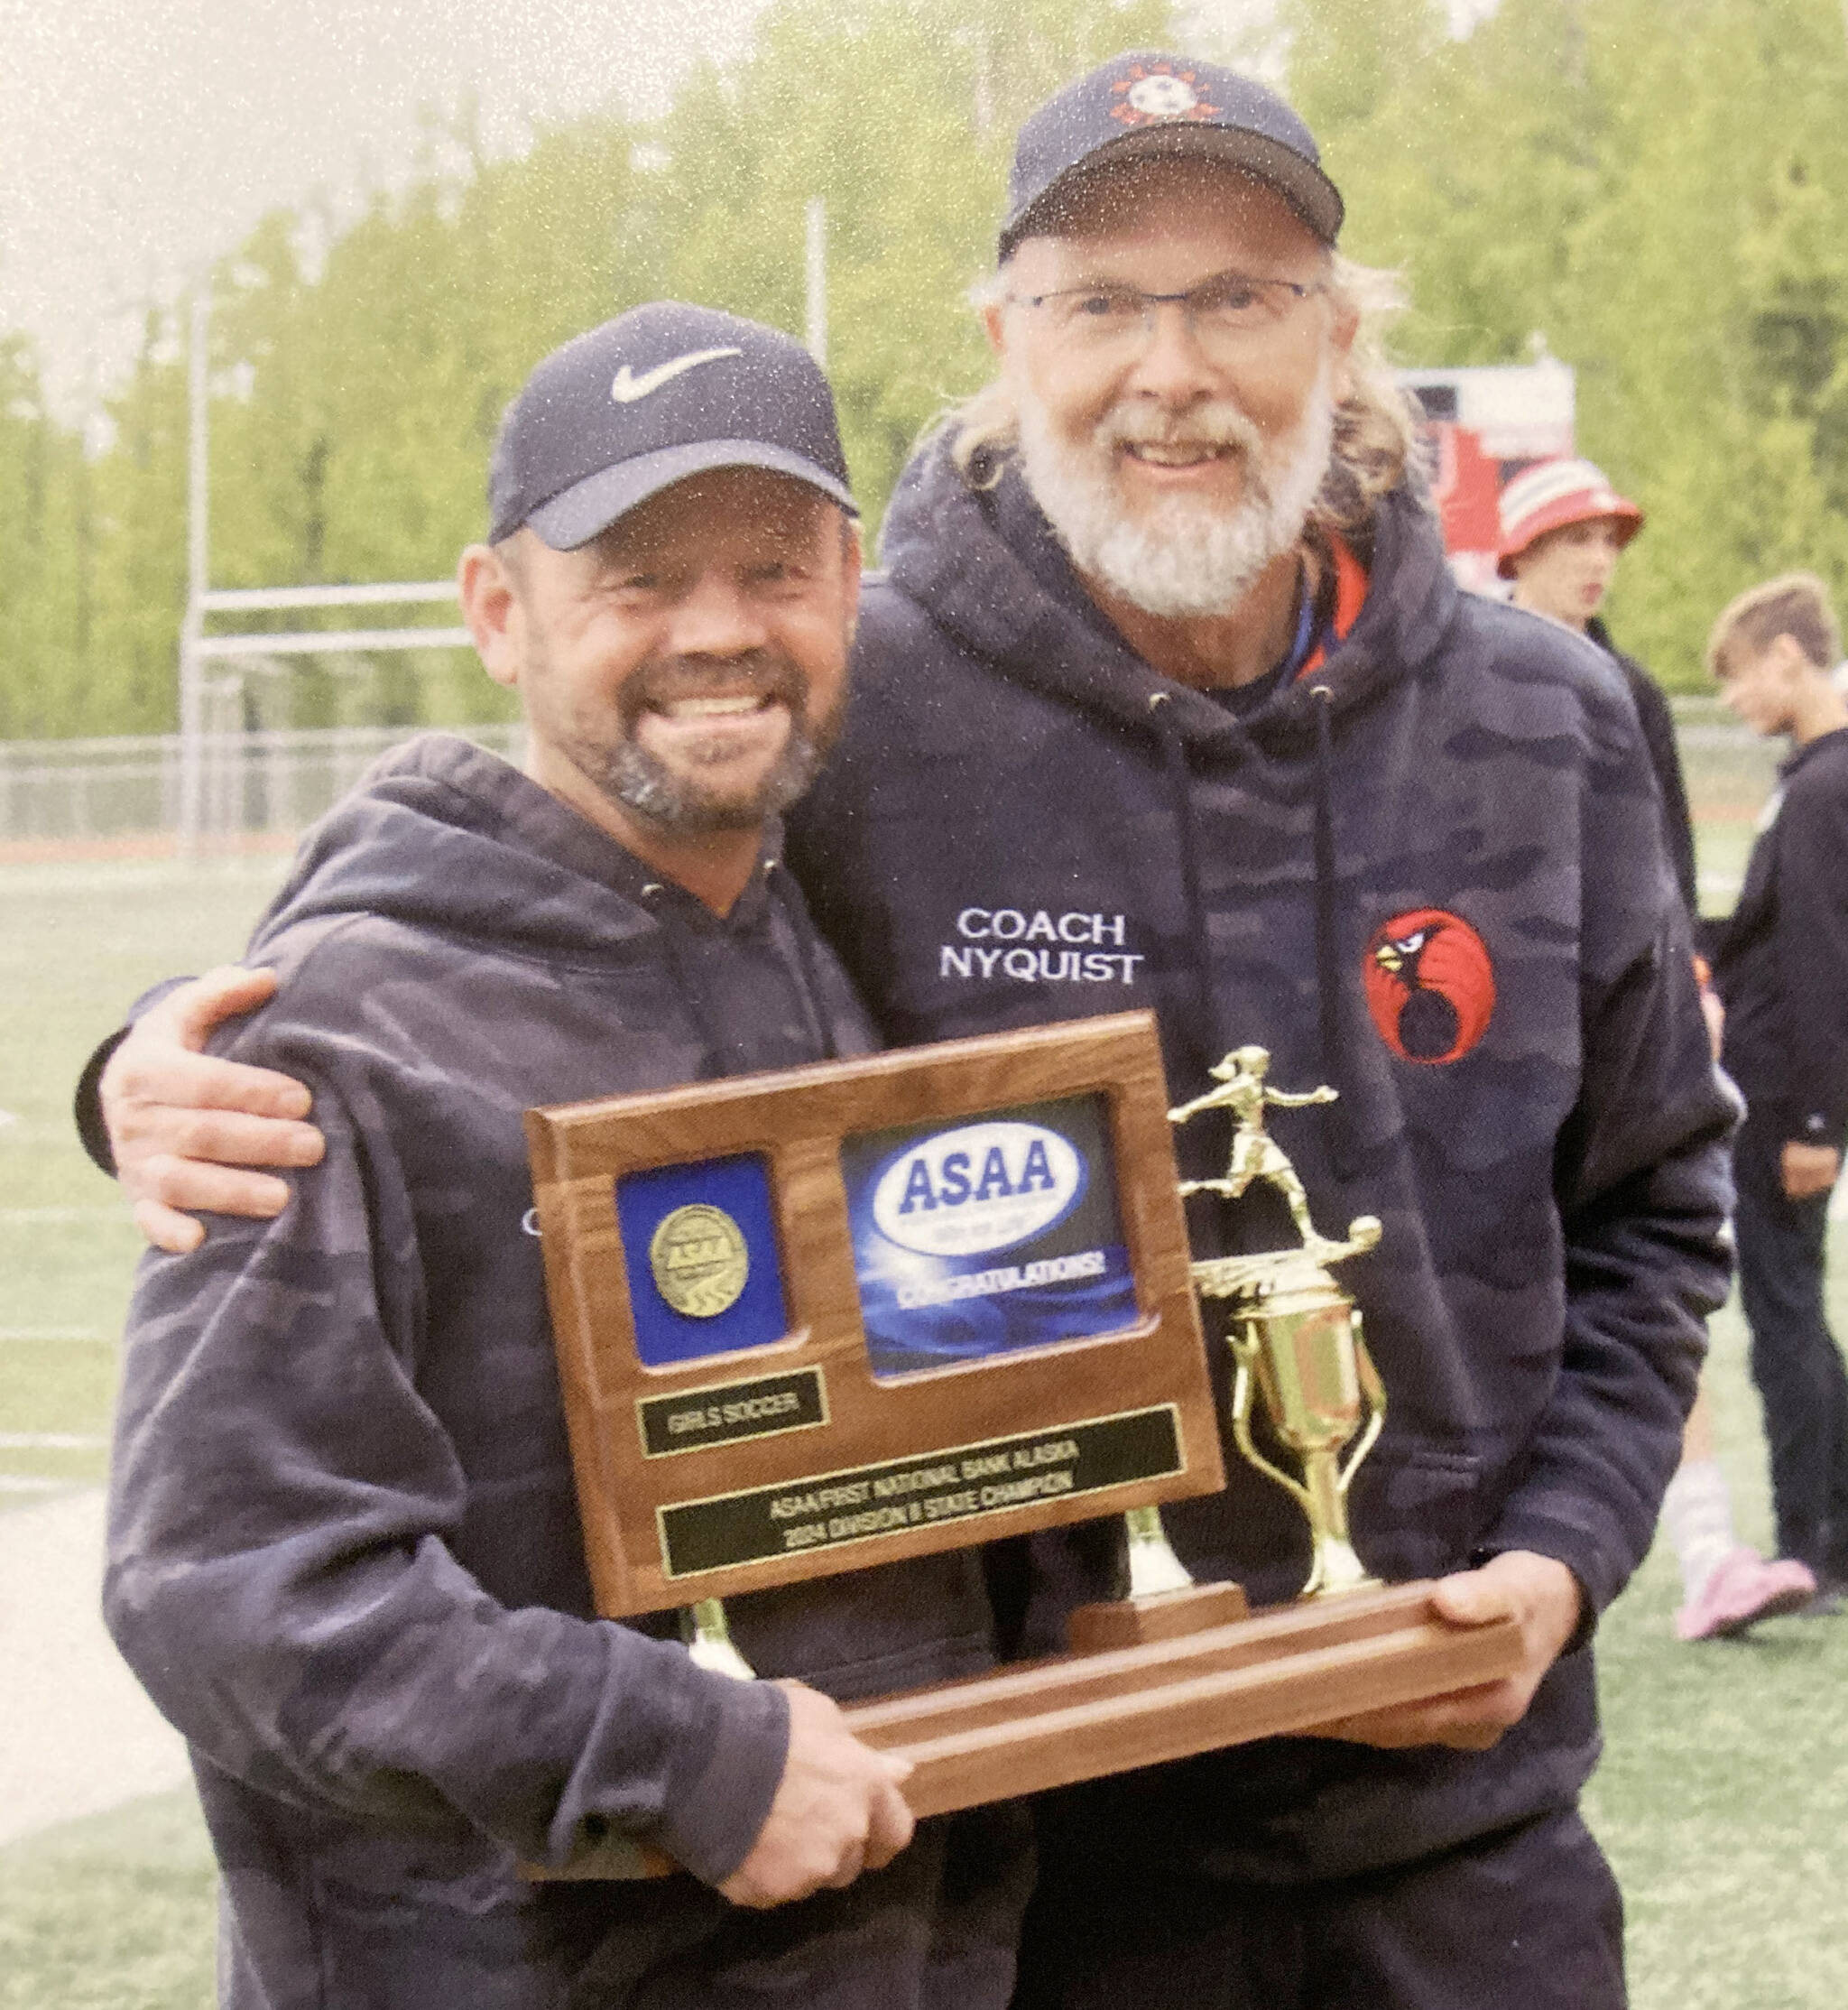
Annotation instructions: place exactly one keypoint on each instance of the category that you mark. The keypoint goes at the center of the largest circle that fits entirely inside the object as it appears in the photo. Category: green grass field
(79, 942)
(1726, 1769)
(115, 1912)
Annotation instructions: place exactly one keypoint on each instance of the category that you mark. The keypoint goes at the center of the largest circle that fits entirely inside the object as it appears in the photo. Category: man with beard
(343, 1552)
(1167, 698)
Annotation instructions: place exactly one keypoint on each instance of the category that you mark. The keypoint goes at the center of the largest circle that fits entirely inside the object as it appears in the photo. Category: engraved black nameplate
(696, 1418)
(961, 1483)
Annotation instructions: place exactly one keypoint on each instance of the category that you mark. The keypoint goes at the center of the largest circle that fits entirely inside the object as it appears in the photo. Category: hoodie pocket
(1415, 1510)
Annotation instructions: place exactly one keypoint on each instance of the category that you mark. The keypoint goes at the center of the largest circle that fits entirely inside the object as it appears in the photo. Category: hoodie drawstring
(711, 1036)
(1179, 779)
(1337, 1116)
(801, 968)
(808, 970)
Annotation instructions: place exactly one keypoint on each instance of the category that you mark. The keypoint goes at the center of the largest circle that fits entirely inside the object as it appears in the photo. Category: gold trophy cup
(1346, 1645)
(1296, 1341)
(1295, 1334)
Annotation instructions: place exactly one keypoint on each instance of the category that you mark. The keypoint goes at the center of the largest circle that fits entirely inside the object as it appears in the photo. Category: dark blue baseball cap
(1151, 105)
(659, 394)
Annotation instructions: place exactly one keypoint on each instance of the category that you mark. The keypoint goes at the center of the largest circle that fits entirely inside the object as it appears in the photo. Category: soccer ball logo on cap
(1151, 95)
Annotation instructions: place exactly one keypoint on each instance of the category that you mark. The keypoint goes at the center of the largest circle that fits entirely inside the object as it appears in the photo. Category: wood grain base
(1162, 1616)
(1044, 1724)
(1079, 1716)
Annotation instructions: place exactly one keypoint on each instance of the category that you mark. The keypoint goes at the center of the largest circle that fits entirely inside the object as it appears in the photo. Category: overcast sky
(139, 138)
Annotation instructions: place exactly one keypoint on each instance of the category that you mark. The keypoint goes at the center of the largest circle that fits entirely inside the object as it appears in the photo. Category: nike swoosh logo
(628, 387)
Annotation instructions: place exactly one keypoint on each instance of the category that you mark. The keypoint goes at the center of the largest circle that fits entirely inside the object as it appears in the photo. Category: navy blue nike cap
(661, 392)
(1139, 106)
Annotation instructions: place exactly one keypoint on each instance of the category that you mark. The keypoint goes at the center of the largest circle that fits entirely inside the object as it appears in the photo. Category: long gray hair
(1375, 425)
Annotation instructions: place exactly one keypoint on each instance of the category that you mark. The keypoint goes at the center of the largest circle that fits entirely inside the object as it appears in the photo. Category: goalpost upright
(199, 650)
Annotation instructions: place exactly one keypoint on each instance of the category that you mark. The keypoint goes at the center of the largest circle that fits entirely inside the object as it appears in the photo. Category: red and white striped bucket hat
(1552, 494)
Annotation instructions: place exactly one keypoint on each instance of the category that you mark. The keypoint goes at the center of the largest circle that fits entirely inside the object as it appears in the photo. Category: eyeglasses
(1223, 312)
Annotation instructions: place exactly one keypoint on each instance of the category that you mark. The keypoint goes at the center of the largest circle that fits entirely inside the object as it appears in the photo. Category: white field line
(49, 1440)
(55, 876)
(74, 1334)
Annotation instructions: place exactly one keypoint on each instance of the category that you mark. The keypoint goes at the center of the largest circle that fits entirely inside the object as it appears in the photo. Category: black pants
(1531, 1919)
(1794, 1360)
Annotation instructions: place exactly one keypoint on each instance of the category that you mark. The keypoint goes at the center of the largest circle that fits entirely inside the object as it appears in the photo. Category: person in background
(1780, 964)
(1563, 529)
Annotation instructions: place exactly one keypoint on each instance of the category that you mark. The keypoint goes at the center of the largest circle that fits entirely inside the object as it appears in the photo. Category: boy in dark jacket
(1781, 965)
(343, 1550)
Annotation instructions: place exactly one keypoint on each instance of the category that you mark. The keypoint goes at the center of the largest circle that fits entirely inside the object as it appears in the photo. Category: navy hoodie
(344, 1549)
(1428, 872)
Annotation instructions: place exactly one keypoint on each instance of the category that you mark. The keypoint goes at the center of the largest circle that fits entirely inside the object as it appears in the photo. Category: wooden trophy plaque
(822, 1319)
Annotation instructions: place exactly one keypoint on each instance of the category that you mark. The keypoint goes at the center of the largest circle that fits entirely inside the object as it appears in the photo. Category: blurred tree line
(1655, 187)
(1659, 190)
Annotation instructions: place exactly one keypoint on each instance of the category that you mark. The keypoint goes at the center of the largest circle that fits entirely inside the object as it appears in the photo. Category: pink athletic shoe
(1743, 1589)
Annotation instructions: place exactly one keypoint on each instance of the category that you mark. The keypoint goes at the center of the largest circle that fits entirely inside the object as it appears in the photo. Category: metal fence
(255, 785)
(264, 786)
(1731, 771)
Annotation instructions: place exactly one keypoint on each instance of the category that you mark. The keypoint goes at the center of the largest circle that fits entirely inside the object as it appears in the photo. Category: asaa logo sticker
(979, 1188)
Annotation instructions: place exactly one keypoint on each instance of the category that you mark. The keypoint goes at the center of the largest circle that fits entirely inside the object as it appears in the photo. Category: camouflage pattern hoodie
(1428, 872)
(344, 1552)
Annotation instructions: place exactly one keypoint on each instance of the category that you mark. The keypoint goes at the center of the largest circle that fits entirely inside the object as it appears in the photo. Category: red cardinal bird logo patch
(1430, 985)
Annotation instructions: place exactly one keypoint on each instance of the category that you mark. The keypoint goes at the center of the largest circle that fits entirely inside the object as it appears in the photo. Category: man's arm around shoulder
(183, 1128)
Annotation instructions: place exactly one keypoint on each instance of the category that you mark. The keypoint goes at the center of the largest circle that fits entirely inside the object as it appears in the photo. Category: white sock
(1698, 1513)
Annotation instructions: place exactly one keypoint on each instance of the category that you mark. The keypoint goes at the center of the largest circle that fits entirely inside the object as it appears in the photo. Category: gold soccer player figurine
(1296, 1335)
(1255, 1155)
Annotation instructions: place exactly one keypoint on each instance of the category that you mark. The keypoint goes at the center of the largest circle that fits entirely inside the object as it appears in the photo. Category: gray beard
(630, 775)
(603, 747)
(1182, 557)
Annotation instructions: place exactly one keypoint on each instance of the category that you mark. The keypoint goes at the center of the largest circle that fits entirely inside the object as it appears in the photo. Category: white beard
(1183, 555)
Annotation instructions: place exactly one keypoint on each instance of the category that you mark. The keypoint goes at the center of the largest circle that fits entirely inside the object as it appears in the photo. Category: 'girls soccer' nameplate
(816, 1320)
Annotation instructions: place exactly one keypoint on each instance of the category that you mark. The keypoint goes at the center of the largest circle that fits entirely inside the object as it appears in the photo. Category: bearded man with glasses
(1167, 698)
